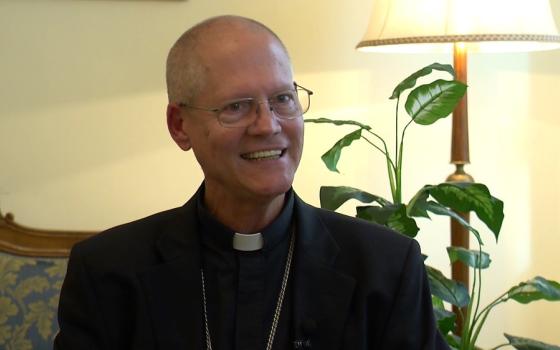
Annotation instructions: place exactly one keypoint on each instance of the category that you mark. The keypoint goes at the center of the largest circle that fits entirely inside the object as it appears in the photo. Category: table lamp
(461, 27)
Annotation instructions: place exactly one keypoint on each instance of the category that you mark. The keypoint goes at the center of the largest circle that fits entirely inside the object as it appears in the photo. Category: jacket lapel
(322, 294)
(173, 288)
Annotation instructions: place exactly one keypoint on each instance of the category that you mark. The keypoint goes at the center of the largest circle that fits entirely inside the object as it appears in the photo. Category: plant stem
(377, 136)
(406, 127)
(471, 316)
(479, 263)
(479, 326)
(399, 170)
(478, 283)
(391, 180)
(391, 167)
(496, 301)
(397, 131)
(500, 346)
(398, 157)
(384, 152)
(479, 322)
(467, 327)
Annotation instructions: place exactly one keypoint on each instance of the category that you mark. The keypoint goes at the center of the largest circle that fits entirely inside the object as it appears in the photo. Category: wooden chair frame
(25, 241)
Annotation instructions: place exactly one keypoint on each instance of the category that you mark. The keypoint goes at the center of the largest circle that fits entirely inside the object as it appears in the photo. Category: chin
(272, 190)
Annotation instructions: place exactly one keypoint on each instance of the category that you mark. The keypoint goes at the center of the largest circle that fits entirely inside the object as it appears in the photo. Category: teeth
(263, 154)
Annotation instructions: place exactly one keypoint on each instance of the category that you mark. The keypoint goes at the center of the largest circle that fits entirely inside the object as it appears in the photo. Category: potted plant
(425, 104)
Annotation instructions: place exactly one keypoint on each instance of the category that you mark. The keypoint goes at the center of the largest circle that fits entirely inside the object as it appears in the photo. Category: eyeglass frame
(218, 110)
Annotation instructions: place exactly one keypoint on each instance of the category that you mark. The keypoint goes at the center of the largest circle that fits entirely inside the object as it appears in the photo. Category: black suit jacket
(138, 286)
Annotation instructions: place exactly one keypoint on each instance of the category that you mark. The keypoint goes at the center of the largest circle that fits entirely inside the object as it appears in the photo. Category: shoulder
(129, 243)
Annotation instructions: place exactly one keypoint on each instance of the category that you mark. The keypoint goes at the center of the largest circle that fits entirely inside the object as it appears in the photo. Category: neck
(245, 215)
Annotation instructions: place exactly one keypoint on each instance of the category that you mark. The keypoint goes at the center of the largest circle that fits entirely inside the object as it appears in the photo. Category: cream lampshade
(483, 25)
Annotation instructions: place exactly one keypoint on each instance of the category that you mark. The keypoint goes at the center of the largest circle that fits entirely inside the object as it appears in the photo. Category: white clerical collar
(247, 243)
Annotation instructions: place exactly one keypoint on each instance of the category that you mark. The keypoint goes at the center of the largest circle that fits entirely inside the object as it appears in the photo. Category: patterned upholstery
(32, 268)
(29, 290)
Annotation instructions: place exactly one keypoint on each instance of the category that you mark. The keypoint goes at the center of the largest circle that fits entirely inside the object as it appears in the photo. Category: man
(244, 264)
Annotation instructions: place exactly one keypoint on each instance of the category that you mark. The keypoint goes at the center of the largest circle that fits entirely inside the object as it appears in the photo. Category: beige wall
(83, 142)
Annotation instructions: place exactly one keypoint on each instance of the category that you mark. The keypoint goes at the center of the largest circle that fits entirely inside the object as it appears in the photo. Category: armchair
(32, 268)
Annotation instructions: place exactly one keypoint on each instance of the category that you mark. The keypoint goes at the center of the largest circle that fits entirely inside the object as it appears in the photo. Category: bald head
(186, 69)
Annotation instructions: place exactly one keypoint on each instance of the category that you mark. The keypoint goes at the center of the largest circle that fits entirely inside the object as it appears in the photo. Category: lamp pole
(460, 157)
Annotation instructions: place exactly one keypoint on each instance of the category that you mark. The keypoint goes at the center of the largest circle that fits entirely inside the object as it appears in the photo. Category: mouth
(263, 155)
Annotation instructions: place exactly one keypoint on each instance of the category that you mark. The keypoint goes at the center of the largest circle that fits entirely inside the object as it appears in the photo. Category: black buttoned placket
(250, 301)
(242, 288)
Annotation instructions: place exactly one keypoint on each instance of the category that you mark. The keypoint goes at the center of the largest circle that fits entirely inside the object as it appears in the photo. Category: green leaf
(410, 82)
(376, 214)
(528, 344)
(471, 258)
(453, 341)
(392, 216)
(446, 289)
(465, 197)
(402, 223)
(417, 206)
(332, 197)
(428, 103)
(337, 122)
(438, 209)
(331, 157)
(538, 288)
(436, 302)
(445, 319)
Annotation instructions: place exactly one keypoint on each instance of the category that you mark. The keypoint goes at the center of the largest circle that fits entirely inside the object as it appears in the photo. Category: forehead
(243, 58)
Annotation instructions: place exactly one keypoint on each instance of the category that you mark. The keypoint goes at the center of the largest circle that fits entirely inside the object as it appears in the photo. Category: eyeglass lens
(286, 105)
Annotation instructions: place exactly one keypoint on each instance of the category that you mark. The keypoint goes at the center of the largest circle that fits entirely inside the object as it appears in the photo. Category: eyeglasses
(288, 104)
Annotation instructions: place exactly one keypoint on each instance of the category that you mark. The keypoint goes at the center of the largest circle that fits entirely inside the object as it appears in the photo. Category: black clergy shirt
(242, 288)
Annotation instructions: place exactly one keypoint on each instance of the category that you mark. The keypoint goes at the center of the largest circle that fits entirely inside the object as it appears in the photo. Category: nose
(266, 121)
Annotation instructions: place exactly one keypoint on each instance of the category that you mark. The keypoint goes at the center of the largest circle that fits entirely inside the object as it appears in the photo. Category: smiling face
(255, 163)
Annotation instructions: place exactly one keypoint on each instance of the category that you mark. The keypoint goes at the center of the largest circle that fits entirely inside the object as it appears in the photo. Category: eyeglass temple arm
(296, 86)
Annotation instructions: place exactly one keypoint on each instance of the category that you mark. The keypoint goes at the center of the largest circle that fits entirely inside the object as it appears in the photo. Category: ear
(176, 128)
